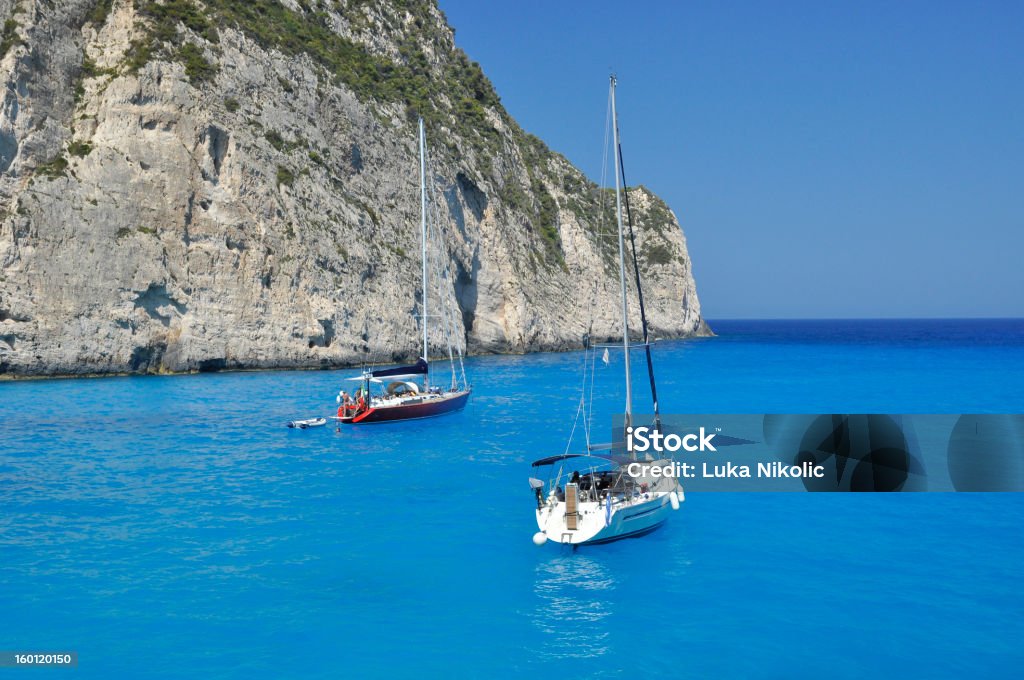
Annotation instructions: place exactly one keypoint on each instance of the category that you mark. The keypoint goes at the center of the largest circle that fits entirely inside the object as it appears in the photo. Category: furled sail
(419, 368)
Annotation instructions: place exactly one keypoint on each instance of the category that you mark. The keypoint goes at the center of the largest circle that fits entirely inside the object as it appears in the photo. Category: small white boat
(309, 422)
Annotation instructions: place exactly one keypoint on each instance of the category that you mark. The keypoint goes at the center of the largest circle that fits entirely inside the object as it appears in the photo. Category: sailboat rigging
(391, 394)
(602, 495)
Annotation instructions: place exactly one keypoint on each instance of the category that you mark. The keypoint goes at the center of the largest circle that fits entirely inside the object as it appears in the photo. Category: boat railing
(595, 484)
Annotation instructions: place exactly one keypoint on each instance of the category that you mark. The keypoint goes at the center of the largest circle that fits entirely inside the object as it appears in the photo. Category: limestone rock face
(199, 186)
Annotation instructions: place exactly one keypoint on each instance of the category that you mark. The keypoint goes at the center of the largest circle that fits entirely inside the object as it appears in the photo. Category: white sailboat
(607, 493)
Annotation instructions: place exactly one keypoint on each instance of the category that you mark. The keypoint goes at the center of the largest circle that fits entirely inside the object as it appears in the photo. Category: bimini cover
(554, 459)
(419, 368)
(566, 456)
(403, 387)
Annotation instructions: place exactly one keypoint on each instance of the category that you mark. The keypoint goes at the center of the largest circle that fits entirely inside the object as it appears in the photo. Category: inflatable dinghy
(309, 422)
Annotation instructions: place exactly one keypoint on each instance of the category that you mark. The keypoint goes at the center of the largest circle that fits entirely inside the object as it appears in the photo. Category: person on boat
(360, 402)
(346, 403)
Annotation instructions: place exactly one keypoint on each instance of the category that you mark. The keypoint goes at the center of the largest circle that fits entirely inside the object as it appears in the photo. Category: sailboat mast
(622, 266)
(423, 237)
(640, 296)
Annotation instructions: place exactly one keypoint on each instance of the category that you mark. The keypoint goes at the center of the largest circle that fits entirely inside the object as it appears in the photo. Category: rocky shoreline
(705, 332)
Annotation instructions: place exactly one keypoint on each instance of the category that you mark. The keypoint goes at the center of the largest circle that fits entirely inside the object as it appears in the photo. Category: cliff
(194, 185)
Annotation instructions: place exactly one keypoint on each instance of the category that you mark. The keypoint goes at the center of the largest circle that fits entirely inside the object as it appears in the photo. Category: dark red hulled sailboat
(406, 392)
(401, 397)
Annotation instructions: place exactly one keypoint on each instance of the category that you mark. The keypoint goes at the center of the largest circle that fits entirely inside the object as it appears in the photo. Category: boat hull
(428, 408)
(595, 527)
(634, 522)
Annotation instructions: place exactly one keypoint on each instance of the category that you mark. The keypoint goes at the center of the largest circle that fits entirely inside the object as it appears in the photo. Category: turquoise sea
(172, 526)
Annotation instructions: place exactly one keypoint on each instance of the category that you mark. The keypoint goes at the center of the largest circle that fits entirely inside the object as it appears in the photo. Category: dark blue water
(170, 526)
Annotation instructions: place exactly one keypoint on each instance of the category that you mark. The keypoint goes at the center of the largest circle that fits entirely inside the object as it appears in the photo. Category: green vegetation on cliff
(446, 88)
(275, 26)
(98, 15)
(9, 38)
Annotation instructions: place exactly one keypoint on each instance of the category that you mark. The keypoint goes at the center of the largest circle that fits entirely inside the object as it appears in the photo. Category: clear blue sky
(854, 159)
